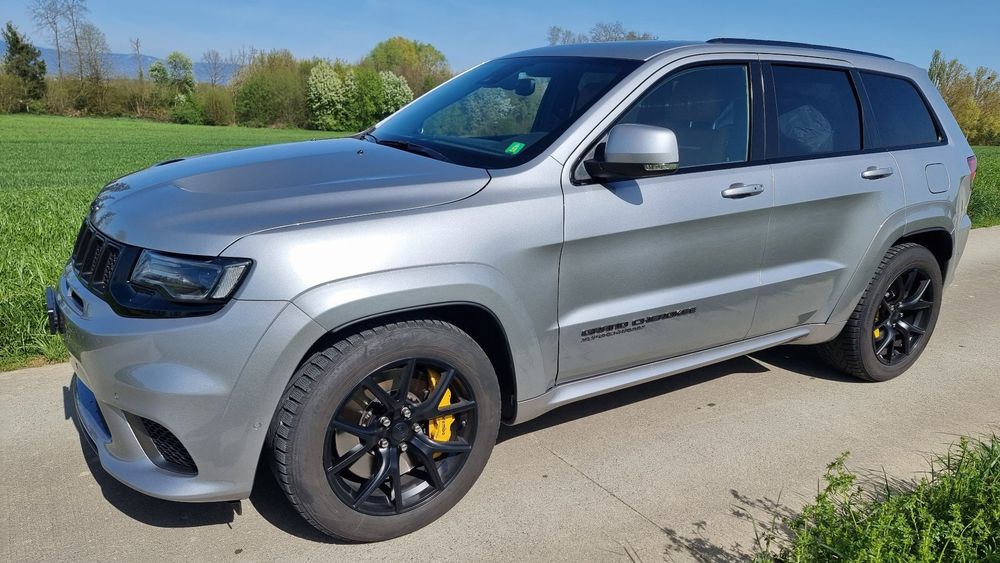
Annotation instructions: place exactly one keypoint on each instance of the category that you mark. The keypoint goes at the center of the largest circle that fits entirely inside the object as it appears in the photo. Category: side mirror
(635, 151)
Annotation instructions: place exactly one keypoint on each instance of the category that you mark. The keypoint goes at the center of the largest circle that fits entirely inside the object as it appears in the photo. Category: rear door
(833, 189)
(657, 267)
(907, 128)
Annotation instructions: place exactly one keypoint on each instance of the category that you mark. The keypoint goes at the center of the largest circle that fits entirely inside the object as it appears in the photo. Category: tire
(858, 350)
(336, 385)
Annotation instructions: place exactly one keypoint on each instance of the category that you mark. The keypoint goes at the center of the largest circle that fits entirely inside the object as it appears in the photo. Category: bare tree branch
(213, 60)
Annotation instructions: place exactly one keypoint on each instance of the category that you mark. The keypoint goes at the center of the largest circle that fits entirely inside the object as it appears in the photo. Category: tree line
(247, 87)
(274, 89)
(974, 97)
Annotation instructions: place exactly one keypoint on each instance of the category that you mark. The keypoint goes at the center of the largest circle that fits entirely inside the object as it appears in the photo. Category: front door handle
(874, 173)
(737, 191)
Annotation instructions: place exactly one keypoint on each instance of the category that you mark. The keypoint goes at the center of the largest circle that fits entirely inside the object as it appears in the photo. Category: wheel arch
(476, 320)
(475, 297)
(938, 240)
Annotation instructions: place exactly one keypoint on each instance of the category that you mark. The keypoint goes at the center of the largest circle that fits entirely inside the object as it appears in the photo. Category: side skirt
(585, 388)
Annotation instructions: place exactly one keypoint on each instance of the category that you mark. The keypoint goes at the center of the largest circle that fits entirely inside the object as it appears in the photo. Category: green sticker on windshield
(515, 148)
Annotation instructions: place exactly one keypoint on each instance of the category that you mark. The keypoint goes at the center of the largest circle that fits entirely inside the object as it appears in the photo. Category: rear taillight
(972, 169)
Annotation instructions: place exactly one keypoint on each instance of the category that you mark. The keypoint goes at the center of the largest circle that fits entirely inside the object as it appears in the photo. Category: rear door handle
(737, 191)
(874, 173)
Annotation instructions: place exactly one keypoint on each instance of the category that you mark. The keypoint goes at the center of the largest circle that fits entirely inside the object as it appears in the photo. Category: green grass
(951, 515)
(50, 169)
(984, 208)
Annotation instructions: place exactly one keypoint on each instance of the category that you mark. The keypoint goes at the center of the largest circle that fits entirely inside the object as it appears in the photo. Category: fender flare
(896, 226)
(338, 304)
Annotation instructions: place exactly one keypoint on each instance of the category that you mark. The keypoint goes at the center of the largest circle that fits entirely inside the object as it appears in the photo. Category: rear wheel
(385, 431)
(894, 320)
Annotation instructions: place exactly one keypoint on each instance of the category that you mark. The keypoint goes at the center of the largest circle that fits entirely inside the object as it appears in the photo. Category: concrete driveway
(666, 471)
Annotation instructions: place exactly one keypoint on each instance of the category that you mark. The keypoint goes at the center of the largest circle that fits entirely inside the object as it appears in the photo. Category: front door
(660, 267)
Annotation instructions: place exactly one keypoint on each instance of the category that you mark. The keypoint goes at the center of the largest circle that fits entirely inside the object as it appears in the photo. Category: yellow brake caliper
(877, 332)
(439, 429)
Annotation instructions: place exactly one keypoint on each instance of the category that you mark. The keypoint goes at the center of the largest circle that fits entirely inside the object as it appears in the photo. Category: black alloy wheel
(400, 436)
(902, 317)
(891, 325)
(383, 431)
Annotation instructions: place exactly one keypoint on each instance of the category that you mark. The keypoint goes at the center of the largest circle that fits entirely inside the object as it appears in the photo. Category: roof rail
(770, 43)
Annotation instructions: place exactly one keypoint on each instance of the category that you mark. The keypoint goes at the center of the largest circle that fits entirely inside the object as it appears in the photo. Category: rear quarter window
(901, 113)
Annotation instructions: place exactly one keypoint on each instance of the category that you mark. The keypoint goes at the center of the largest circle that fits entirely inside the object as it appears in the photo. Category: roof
(635, 50)
(792, 44)
(646, 50)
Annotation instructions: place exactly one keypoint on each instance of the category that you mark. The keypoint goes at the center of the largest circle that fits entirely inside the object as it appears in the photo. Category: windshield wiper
(415, 148)
(366, 135)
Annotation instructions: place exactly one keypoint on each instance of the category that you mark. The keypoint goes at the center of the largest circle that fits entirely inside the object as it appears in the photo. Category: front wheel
(892, 323)
(385, 431)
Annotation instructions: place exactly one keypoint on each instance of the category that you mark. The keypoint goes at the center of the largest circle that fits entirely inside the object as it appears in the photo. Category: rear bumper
(960, 237)
(208, 383)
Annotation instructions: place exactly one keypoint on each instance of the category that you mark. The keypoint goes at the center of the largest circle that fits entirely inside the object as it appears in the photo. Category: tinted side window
(708, 108)
(817, 111)
(900, 111)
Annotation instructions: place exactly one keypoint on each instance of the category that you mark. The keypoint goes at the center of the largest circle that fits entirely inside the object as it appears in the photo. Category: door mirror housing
(635, 151)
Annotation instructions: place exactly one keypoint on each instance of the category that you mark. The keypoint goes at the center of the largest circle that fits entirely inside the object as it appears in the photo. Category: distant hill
(124, 64)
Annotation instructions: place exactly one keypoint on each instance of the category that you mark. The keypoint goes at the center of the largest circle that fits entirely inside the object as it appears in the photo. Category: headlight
(189, 279)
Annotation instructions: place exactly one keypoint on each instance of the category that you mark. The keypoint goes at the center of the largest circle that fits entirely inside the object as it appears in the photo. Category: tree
(605, 32)
(24, 61)
(137, 57)
(158, 74)
(351, 98)
(139, 98)
(601, 33)
(986, 92)
(396, 93)
(213, 62)
(94, 54)
(957, 87)
(421, 64)
(49, 16)
(329, 91)
(560, 36)
(74, 12)
(271, 90)
(180, 72)
(239, 59)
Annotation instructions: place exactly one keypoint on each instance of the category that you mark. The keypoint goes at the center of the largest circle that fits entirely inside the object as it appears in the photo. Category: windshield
(504, 112)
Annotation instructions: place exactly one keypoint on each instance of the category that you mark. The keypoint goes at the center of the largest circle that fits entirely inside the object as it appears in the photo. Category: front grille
(169, 447)
(95, 257)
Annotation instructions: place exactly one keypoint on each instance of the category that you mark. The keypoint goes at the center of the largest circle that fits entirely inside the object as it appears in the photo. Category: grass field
(51, 168)
(984, 208)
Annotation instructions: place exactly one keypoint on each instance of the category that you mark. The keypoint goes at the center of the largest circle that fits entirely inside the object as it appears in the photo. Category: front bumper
(212, 381)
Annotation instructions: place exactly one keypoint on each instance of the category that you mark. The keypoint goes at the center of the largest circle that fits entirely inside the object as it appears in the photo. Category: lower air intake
(170, 448)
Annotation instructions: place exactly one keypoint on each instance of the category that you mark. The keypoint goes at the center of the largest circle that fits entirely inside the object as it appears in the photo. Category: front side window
(817, 111)
(900, 111)
(504, 112)
(707, 108)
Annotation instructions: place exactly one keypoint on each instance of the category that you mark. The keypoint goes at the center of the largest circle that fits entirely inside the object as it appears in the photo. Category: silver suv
(545, 227)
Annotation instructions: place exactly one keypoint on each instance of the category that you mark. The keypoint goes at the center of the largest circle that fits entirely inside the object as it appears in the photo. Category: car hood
(201, 205)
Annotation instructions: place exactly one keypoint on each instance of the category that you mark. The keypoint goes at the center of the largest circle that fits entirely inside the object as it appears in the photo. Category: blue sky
(471, 31)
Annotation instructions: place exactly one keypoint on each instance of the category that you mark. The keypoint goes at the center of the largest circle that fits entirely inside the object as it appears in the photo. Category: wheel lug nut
(402, 447)
(383, 443)
(384, 421)
(405, 412)
(417, 429)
